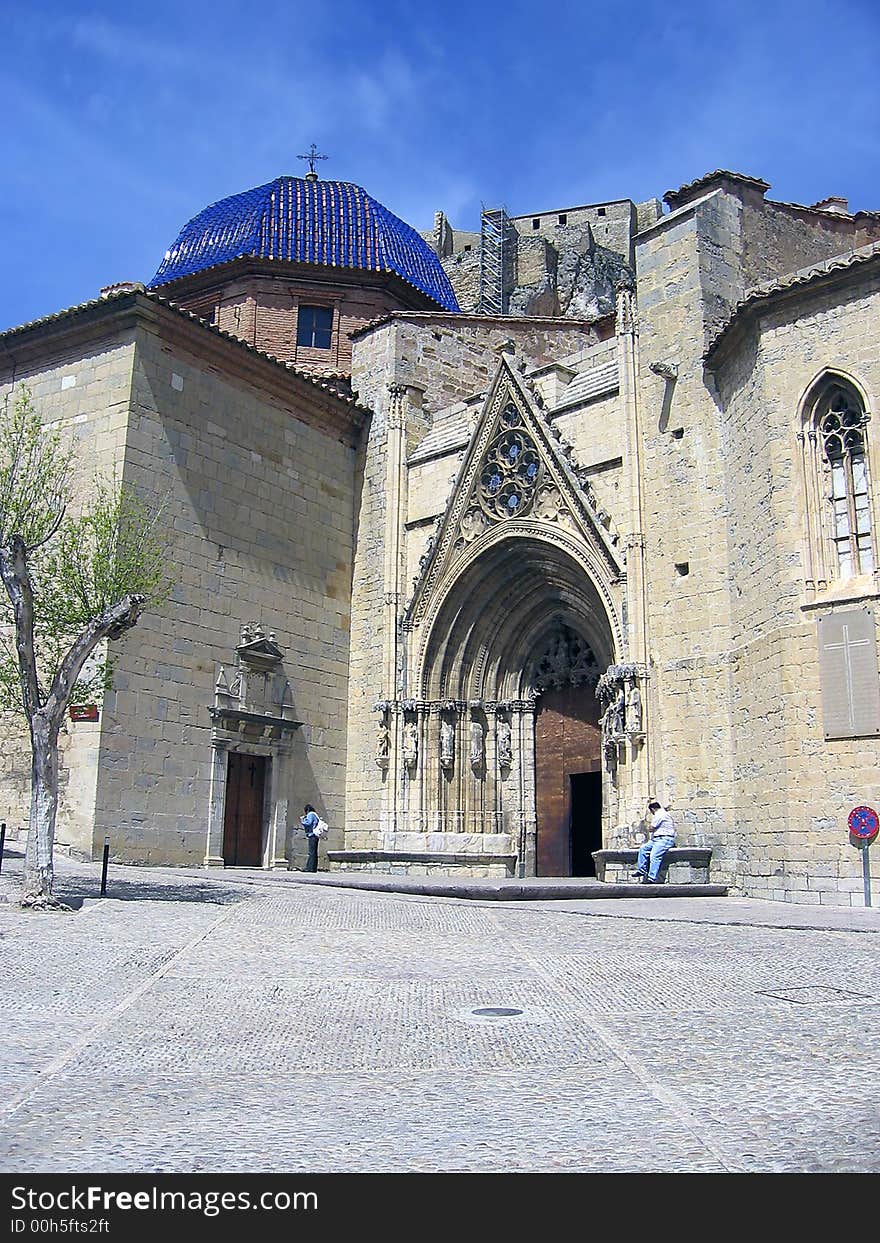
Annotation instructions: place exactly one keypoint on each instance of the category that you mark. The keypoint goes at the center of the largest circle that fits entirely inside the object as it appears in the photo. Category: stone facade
(540, 565)
(257, 468)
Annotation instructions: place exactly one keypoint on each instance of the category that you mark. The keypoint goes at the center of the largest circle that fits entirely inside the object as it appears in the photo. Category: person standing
(652, 852)
(309, 823)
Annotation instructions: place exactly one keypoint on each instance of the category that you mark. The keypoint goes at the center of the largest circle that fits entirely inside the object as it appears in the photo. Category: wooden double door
(568, 774)
(243, 821)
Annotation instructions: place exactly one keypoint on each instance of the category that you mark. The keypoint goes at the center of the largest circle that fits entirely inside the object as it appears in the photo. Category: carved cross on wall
(847, 648)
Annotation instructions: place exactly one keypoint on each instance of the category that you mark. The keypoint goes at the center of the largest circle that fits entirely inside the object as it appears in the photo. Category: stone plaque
(849, 674)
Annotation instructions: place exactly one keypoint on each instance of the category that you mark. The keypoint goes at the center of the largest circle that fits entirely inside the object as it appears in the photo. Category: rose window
(511, 471)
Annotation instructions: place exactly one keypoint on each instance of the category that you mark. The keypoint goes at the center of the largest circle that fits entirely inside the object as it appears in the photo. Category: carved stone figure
(476, 744)
(410, 744)
(447, 744)
(614, 719)
(473, 524)
(635, 711)
(505, 749)
(383, 744)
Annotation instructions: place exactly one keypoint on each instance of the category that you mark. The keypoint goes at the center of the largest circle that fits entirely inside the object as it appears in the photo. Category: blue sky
(121, 121)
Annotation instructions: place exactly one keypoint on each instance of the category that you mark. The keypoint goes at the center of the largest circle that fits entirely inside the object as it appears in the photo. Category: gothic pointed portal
(516, 613)
(517, 476)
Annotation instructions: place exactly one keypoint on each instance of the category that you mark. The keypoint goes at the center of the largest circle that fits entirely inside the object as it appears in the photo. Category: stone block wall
(611, 224)
(259, 519)
(686, 276)
(83, 392)
(781, 237)
(794, 788)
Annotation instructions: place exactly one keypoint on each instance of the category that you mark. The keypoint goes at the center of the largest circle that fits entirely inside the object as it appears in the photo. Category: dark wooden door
(568, 742)
(243, 823)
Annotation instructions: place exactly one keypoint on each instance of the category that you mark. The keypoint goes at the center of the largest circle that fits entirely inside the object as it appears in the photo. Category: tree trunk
(39, 873)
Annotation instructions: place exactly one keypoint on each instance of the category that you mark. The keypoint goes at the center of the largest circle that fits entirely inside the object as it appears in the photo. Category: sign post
(864, 824)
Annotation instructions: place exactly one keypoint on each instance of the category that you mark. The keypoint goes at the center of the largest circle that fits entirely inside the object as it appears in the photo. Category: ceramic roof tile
(331, 223)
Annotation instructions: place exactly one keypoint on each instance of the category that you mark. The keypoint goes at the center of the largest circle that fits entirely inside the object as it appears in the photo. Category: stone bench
(693, 861)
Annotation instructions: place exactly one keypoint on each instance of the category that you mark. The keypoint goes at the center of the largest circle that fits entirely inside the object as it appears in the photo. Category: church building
(482, 538)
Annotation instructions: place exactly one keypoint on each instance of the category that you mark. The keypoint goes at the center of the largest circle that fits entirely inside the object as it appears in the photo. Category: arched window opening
(840, 424)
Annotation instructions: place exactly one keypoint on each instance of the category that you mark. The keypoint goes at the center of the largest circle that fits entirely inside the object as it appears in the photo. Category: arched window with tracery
(837, 482)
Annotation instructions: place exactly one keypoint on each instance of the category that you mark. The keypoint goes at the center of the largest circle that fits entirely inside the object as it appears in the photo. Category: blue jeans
(654, 850)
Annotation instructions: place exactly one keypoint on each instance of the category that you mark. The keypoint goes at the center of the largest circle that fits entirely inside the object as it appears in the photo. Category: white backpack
(321, 829)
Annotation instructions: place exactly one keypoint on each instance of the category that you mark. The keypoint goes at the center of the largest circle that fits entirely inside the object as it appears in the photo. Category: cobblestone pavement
(252, 1023)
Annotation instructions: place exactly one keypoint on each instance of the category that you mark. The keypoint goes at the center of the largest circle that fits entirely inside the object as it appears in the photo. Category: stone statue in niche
(410, 744)
(447, 744)
(476, 744)
(618, 715)
(505, 748)
(383, 744)
(635, 711)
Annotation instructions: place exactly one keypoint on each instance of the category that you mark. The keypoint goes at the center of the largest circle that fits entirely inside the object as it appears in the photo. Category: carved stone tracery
(566, 659)
(511, 469)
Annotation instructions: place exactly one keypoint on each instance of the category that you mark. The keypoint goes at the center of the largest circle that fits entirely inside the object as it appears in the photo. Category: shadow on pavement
(75, 890)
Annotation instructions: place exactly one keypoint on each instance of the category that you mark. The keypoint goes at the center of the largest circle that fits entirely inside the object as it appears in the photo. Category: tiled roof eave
(254, 262)
(672, 197)
(118, 301)
(768, 291)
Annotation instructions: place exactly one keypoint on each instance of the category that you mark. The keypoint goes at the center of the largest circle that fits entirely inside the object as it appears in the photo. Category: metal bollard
(104, 867)
(2, 841)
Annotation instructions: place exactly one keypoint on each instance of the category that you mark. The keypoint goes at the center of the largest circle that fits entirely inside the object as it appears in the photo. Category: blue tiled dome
(304, 221)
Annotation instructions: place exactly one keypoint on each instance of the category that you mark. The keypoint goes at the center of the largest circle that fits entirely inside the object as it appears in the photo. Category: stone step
(538, 888)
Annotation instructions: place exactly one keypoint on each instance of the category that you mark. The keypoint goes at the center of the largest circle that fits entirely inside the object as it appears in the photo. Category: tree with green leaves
(72, 580)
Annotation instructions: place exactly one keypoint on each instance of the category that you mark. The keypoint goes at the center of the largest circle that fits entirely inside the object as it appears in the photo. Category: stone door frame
(274, 844)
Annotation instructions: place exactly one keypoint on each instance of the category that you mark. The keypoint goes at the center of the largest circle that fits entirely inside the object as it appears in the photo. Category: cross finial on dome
(311, 175)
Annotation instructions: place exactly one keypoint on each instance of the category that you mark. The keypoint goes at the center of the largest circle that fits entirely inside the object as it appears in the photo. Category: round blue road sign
(863, 824)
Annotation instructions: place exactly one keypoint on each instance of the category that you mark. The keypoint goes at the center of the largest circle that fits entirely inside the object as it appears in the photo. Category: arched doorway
(510, 666)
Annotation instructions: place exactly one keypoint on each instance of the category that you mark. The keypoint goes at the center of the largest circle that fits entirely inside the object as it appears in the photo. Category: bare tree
(72, 582)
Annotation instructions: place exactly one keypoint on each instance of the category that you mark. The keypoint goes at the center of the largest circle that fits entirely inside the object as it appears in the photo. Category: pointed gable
(516, 472)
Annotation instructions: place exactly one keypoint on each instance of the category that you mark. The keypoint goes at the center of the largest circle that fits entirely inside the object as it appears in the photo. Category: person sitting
(652, 852)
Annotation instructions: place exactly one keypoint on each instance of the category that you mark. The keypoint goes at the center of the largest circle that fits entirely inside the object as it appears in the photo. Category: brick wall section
(263, 312)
